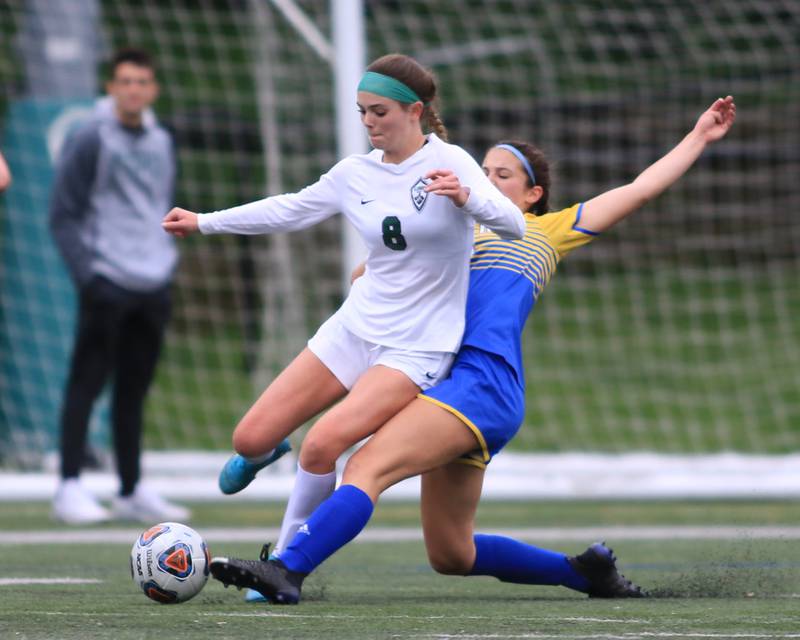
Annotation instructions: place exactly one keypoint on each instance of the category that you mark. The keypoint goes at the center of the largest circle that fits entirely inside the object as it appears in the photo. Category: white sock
(259, 459)
(309, 491)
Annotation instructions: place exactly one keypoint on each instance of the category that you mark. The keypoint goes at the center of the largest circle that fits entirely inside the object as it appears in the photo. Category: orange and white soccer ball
(169, 562)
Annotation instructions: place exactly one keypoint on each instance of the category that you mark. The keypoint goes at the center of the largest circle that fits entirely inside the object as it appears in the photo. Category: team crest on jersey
(418, 194)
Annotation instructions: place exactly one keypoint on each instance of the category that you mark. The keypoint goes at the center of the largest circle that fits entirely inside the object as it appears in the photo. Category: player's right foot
(238, 472)
(599, 566)
(269, 577)
(251, 595)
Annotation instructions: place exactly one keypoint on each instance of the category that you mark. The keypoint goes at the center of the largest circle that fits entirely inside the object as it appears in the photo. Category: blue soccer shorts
(483, 392)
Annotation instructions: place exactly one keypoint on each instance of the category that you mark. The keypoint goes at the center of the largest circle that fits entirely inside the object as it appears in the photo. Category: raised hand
(443, 182)
(180, 222)
(715, 122)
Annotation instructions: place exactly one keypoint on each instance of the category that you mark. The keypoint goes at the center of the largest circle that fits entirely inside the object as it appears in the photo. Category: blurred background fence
(677, 332)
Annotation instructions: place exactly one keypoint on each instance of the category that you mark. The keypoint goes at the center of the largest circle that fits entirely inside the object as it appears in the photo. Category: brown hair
(133, 55)
(541, 169)
(420, 80)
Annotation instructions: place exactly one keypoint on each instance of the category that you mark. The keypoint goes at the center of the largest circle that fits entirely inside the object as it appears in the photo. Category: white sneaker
(145, 505)
(73, 504)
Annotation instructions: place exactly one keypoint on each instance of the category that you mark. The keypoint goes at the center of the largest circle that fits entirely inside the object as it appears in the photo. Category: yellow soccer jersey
(507, 276)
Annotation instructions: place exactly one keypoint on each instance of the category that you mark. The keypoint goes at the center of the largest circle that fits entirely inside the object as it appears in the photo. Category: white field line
(4, 582)
(406, 534)
(628, 635)
(604, 636)
(540, 619)
(348, 616)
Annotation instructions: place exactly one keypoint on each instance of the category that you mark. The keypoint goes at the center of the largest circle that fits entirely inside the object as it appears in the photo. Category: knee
(252, 442)
(318, 453)
(245, 444)
(451, 561)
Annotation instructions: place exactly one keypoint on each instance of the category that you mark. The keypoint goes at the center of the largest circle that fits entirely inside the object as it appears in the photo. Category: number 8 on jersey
(392, 236)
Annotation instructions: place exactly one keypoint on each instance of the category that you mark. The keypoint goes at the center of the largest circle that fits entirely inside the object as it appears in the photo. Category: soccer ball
(169, 562)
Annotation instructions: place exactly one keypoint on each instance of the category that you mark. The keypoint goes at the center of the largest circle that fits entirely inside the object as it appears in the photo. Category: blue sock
(513, 561)
(333, 524)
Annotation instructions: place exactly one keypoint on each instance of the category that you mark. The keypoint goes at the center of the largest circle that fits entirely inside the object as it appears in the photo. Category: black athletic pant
(119, 333)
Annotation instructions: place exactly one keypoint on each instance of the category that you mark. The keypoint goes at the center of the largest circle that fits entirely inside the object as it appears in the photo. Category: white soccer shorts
(348, 357)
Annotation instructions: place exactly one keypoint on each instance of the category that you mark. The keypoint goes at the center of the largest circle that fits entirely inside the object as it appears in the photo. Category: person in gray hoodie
(114, 180)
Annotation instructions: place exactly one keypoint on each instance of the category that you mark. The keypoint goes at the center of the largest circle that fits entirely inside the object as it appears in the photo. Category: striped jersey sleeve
(564, 229)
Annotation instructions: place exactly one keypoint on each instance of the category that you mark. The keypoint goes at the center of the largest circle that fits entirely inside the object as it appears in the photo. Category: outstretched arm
(285, 212)
(605, 210)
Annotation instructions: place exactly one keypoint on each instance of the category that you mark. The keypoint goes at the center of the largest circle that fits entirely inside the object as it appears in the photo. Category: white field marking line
(583, 619)
(410, 534)
(17, 581)
(271, 614)
(604, 636)
(99, 614)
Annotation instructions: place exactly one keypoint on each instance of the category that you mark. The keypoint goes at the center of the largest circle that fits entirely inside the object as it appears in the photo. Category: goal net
(678, 331)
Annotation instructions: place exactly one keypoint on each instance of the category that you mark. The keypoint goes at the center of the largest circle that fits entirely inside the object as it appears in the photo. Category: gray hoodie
(113, 186)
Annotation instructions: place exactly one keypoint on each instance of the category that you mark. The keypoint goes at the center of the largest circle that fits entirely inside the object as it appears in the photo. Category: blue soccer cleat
(254, 596)
(599, 566)
(238, 472)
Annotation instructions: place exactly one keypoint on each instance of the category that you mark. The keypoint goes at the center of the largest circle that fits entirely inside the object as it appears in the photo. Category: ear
(416, 109)
(533, 195)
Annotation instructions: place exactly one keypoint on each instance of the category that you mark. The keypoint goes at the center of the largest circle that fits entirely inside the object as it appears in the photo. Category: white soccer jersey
(413, 293)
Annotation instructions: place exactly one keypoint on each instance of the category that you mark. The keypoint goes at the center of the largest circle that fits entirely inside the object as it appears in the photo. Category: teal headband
(388, 87)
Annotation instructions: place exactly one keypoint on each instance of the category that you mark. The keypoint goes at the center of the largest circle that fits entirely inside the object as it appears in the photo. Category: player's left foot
(599, 566)
(238, 472)
(269, 577)
(251, 595)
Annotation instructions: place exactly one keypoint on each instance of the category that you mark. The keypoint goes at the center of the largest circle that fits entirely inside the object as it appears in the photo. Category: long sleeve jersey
(413, 293)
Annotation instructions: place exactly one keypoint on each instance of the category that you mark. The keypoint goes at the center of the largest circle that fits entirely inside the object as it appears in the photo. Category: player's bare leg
(378, 395)
(392, 454)
(300, 392)
(450, 497)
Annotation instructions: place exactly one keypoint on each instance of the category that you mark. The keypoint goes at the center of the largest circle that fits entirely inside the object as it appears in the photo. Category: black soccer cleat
(599, 566)
(270, 578)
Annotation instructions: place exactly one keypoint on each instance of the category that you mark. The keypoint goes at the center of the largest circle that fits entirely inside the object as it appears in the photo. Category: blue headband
(521, 157)
(388, 87)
